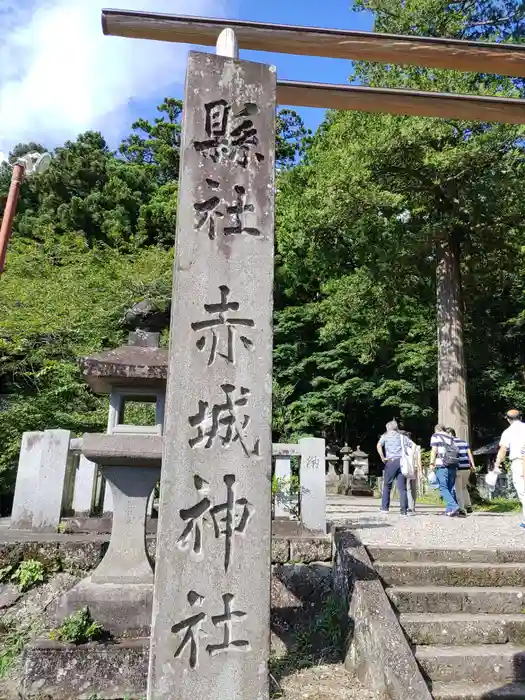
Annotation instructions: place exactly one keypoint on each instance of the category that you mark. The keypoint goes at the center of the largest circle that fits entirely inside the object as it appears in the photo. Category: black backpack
(450, 452)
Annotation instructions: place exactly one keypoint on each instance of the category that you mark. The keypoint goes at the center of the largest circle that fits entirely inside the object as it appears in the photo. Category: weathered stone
(51, 479)
(484, 556)
(9, 594)
(378, 651)
(106, 671)
(126, 561)
(280, 551)
(148, 316)
(463, 628)
(136, 451)
(27, 476)
(450, 574)
(453, 599)
(312, 477)
(488, 663)
(310, 550)
(122, 609)
(217, 446)
(129, 365)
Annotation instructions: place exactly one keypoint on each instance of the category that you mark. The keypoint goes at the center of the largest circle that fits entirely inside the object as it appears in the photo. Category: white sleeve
(505, 439)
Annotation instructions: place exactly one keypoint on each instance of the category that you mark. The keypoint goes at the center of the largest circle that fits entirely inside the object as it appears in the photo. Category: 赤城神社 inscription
(210, 629)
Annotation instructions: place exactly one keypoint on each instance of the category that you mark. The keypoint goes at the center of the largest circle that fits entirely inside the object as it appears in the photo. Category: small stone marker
(51, 480)
(86, 472)
(312, 476)
(26, 495)
(210, 627)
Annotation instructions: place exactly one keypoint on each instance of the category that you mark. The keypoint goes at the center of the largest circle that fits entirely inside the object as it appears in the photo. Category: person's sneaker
(522, 525)
(452, 513)
(404, 515)
(461, 514)
(411, 512)
(469, 510)
(381, 510)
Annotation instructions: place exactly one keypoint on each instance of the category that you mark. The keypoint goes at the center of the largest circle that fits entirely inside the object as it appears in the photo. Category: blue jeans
(392, 473)
(446, 477)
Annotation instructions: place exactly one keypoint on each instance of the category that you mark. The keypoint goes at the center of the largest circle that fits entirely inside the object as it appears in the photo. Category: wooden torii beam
(481, 57)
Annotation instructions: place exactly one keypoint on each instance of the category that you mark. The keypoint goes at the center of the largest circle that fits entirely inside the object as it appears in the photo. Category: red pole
(9, 211)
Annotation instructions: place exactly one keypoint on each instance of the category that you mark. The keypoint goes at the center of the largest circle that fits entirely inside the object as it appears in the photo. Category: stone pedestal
(210, 623)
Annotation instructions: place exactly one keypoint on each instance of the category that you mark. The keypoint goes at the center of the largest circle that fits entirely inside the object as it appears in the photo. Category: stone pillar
(312, 476)
(52, 474)
(210, 623)
(86, 473)
(26, 495)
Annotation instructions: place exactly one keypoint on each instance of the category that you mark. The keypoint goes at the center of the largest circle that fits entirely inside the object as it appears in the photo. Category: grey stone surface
(51, 479)
(450, 574)
(468, 690)
(126, 561)
(378, 651)
(312, 478)
(490, 663)
(213, 554)
(280, 550)
(453, 599)
(86, 472)
(462, 628)
(129, 365)
(122, 609)
(310, 550)
(24, 501)
(403, 553)
(64, 671)
(123, 450)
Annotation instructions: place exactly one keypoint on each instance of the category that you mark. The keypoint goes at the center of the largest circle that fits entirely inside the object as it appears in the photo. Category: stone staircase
(464, 614)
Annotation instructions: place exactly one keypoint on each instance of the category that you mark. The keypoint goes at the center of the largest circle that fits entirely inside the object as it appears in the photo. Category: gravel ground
(327, 682)
(428, 528)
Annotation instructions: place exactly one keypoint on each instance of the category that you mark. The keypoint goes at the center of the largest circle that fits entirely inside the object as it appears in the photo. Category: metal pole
(10, 210)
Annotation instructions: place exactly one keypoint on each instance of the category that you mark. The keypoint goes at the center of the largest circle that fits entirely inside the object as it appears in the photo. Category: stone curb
(378, 652)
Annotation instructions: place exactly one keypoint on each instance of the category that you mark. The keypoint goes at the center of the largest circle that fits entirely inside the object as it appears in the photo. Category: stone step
(463, 628)
(490, 663)
(486, 556)
(455, 599)
(450, 573)
(473, 691)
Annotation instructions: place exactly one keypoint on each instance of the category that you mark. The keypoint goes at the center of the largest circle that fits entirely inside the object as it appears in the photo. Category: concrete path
(428, 528)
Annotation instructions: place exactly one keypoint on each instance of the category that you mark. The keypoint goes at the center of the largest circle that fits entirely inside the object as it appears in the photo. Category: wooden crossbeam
(475, 56)
(408, 102)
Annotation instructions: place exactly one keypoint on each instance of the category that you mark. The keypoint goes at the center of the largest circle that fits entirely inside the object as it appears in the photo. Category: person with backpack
(444, 458)
(465, 467)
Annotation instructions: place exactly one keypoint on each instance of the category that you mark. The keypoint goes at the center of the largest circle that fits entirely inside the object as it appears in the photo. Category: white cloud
(59, 75)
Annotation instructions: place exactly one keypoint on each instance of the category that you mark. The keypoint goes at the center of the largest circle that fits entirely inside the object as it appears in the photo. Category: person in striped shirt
(465, 466)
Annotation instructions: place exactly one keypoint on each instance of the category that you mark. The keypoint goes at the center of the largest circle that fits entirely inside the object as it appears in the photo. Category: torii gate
(221, 470)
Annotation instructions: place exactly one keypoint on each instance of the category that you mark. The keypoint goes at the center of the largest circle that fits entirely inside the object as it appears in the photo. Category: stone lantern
(332, 477)
(346, 452)
(119, 591)
(360, 482)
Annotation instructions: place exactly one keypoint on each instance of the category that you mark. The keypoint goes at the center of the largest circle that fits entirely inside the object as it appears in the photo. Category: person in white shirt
(512, 442)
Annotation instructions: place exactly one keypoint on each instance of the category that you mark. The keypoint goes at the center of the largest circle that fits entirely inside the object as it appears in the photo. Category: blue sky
(60, 76)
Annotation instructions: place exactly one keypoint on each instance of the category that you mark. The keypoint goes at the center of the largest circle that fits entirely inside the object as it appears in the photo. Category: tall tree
(487, 20)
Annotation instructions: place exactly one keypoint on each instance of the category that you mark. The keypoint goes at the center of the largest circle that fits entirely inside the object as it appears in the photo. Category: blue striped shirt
(463, 449)
(391, 441)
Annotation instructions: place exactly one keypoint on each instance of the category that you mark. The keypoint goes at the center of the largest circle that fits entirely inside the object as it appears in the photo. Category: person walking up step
(465, 467)
(391, 443)
(444, 458)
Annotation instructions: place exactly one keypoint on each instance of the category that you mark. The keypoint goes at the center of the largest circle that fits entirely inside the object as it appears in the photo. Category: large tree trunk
(452, 374)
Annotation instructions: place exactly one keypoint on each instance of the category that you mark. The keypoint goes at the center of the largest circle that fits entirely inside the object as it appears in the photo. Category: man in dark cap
(512, 442)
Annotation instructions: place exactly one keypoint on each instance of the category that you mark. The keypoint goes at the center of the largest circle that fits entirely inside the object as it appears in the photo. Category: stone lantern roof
(359, 453)
(140, 363)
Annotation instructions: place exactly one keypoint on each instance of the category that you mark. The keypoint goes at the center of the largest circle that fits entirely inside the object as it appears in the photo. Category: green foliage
(499, 505)
(12, 642)
(79, 628)
(357, 224)
(28, 574)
